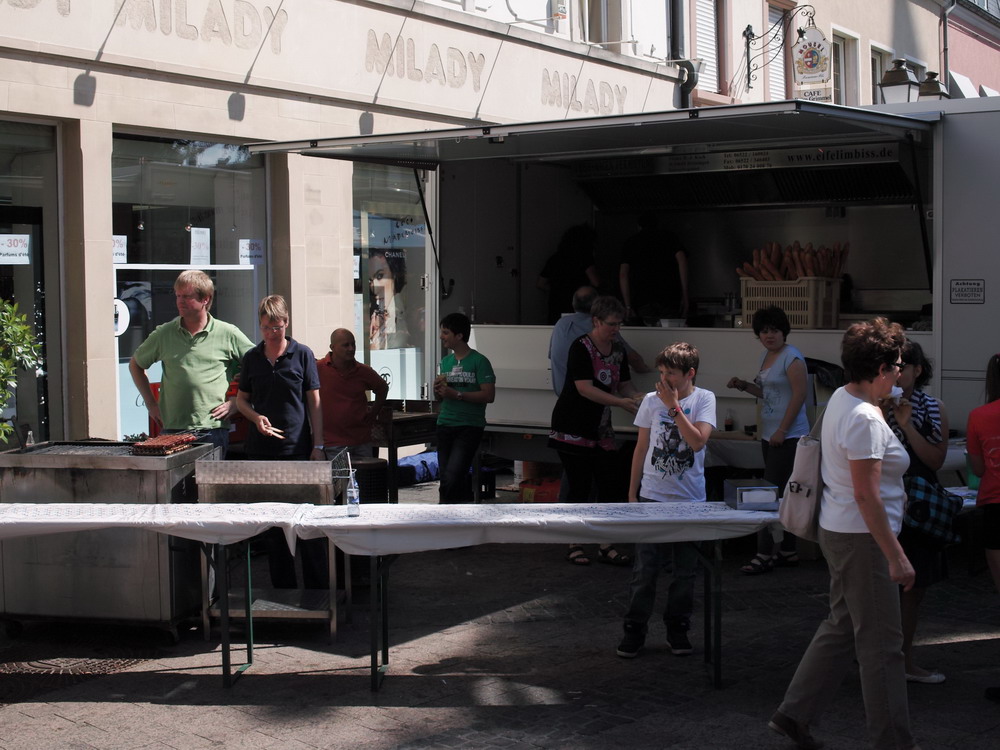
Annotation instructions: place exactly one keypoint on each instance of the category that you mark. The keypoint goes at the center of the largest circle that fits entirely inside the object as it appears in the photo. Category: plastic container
(539, 491)
(809, 302)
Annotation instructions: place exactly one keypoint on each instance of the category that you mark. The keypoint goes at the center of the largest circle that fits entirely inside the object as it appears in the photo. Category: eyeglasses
(273, 329)
(613, 323)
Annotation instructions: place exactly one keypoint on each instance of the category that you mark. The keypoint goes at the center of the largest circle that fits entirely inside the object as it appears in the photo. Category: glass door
(22, 282)
(28, 220)
(390, 256)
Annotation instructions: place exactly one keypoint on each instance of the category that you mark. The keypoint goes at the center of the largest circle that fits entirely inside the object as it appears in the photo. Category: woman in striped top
(921, 424)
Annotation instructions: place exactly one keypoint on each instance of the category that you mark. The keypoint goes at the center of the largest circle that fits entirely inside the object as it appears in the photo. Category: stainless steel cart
(120, 575)
(317, 482)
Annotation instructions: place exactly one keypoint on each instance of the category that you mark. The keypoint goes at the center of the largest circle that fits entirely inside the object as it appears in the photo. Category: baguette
(750, 271)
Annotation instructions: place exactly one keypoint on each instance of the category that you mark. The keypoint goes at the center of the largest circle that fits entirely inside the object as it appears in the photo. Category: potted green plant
(18, 350)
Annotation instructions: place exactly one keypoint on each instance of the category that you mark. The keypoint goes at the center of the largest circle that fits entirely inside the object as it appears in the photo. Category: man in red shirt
(343, 390)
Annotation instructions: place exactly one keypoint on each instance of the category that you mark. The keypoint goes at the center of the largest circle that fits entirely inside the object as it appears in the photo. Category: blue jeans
(649, 559)
(457, 448)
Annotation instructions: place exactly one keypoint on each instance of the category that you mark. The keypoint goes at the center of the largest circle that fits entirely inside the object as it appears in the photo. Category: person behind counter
(668, 466)
(465, 386)
(343, 388)
(921, 424)
(860, 517)
(597, 378)
(193, 389)
(780, 385)
(653, 274)
(571, 266)
(279, 396)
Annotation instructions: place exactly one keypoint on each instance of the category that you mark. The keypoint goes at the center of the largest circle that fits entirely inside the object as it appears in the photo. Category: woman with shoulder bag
(861, 512)
(921, 424)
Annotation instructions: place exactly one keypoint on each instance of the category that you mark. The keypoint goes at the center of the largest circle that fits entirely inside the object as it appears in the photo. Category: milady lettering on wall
(600, 98)
(236, 22)
(401, 58)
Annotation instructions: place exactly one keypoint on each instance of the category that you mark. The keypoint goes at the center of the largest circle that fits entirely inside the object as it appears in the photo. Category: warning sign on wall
(968, 291)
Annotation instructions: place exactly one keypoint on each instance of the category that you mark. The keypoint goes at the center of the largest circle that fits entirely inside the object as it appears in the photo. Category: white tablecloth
(395, 529)
(222, 523)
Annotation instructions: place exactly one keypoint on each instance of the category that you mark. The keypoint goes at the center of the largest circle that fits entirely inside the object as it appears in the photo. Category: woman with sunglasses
(861, 513)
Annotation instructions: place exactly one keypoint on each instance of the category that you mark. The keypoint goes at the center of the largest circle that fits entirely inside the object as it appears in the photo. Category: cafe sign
(811, 57)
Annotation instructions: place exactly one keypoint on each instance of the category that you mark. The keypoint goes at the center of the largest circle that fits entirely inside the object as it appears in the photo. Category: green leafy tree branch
(18, 350)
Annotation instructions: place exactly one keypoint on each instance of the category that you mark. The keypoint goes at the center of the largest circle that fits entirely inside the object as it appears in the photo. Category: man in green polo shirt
(200, 357)
(465, 386)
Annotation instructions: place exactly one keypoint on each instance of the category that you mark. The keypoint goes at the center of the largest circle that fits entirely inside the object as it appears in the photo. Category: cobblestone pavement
(502, 646)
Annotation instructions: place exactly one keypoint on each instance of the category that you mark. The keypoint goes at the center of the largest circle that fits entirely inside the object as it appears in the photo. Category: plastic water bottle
(353, 497)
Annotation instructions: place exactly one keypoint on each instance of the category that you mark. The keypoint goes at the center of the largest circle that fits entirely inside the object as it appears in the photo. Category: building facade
(122, 128)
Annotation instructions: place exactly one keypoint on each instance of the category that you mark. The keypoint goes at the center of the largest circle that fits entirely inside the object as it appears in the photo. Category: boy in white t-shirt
(668, 466)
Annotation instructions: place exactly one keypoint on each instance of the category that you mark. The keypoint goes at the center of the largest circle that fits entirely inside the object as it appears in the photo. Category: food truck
(901, 199)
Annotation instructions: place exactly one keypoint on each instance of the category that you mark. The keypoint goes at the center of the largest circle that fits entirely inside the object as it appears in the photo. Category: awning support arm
(445, 288)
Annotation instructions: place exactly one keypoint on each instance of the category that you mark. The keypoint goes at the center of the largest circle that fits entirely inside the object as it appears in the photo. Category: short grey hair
(606, 306)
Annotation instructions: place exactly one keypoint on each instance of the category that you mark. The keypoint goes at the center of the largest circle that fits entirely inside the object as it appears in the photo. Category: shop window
(180, 204)
(844, 76)
(28, 222)
(881, 61)
(390, 236)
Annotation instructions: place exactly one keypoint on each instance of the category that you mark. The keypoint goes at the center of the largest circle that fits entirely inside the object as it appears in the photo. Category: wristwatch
(673, 411)
(317, 447)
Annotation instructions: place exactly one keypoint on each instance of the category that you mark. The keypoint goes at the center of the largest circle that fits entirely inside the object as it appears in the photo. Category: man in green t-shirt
(200, 356)
(465, 386)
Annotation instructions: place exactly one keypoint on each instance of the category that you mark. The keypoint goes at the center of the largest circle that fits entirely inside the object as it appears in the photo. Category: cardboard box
(750, 494)
(539, 491)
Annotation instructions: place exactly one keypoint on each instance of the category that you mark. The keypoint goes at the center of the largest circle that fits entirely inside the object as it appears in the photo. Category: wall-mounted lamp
(898, 84)
(932, 89)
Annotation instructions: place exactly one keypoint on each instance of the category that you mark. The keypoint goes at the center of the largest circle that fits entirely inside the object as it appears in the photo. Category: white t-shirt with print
(671, 470)
(854, 430)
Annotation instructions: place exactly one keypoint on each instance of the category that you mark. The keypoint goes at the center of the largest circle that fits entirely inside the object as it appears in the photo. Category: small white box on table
(750, 494)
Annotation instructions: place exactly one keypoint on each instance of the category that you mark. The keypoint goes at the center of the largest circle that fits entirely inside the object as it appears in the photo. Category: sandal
(577, 556)
(611, 556)
(786, 559)
(759, 564)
